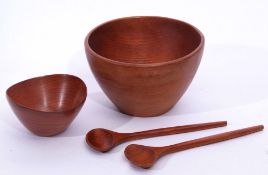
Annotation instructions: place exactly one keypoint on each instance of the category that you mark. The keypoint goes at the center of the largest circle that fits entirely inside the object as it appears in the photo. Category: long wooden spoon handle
(210, 139)
(173, 130)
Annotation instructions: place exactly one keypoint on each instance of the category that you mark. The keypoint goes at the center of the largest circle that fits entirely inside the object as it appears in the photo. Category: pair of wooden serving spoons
(104, 140)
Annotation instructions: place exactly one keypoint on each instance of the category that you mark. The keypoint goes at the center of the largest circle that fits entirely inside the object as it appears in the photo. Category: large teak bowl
(47, 105)
(144, 64)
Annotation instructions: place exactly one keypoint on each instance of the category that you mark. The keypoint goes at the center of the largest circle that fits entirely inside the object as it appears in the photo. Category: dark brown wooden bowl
(47, 105)
(144, 64)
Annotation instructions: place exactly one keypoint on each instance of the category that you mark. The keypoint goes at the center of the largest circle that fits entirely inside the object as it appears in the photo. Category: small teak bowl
(144, 64)
(47, 105)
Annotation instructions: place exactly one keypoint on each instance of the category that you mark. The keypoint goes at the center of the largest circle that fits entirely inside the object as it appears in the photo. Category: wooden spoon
(104, 140)
(146, 156)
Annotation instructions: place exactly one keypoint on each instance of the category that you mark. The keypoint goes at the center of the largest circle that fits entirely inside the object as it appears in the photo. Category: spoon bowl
(141, 156)
(47, 105)
(101, 139)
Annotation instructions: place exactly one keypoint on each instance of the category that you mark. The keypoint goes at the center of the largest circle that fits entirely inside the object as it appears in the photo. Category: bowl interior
(143, 40)
(52, 93)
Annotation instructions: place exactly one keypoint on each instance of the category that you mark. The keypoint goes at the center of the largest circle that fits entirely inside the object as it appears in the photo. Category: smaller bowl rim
(44, 76)
(201, 44)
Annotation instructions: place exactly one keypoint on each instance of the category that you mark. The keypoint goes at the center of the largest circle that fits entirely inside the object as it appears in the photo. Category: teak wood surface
(144, 64)
(104, 140)
(47, 105)
(146, 156)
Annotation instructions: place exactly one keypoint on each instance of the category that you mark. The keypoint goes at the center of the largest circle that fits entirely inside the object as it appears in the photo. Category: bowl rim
(47, 76)
(200, 46)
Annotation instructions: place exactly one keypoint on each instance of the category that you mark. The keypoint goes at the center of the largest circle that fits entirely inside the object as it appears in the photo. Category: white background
(46, 37)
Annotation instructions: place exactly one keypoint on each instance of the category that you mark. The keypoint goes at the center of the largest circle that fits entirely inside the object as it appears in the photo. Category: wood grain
(47, 105)
(146, 156)
(144, 64)
(104, 140)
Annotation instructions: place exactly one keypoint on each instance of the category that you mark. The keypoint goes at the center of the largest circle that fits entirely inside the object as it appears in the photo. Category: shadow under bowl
(144, 64)
(48, 104)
